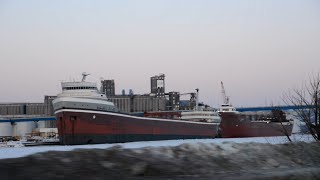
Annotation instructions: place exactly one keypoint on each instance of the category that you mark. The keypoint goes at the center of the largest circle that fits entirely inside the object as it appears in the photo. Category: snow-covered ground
(25, 151)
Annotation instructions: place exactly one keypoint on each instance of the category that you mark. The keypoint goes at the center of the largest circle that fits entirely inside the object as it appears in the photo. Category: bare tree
(281, 117)
(306, 102)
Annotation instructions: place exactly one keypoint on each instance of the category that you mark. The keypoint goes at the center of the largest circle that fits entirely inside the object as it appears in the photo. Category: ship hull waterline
(94, 127)
(232, 126)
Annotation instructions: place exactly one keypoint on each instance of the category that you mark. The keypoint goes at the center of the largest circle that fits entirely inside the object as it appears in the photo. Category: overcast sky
(258, 48)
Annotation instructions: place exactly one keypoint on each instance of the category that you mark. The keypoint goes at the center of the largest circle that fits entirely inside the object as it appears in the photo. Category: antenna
(84, 75)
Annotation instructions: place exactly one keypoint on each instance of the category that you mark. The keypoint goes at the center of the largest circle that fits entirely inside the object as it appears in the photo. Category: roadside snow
(6, 153)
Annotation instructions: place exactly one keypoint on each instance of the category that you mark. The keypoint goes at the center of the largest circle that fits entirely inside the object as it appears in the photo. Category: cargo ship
(236, 124)
(85, 116)
(240, 124)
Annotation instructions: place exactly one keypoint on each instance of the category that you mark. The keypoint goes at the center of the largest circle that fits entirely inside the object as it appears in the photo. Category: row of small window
(72, 88)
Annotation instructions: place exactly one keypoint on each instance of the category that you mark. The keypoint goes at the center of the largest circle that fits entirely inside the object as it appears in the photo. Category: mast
(84, 75)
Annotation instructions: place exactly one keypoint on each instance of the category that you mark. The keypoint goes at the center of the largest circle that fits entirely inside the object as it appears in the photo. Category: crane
(225, 98)
(193, 97)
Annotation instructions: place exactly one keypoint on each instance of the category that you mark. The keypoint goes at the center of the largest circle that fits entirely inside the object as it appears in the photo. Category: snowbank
(193, 160)
(25, 151)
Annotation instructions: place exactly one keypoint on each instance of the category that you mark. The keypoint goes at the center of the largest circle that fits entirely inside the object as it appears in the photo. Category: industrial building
(174, 101)
(156, 100)
(107, 87)
(41, 109)
(158, 85)
(25, 110)
(132, 103)
(138, 103)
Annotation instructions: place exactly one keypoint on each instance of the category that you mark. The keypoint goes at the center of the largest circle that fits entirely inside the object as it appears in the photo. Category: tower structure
(108, 87)
(174, 101)
(158, 85)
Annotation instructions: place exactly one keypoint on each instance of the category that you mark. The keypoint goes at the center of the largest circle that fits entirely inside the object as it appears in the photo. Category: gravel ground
(186, 161)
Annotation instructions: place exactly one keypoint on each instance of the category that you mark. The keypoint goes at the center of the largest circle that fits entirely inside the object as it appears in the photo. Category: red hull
(234, 125)
(91, 127)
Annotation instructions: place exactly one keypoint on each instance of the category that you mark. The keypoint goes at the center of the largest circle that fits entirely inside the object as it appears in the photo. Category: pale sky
(259, 48)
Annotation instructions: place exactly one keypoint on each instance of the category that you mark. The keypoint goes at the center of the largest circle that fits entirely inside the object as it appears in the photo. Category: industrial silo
(5, 129)
(23, 128)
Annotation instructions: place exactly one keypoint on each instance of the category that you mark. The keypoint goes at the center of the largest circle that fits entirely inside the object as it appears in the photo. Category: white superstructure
(82, 95)
(202, 116)
(201, 113)
(226, 108)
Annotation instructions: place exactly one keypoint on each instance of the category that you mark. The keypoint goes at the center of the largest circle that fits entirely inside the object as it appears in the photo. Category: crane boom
(225, 98)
